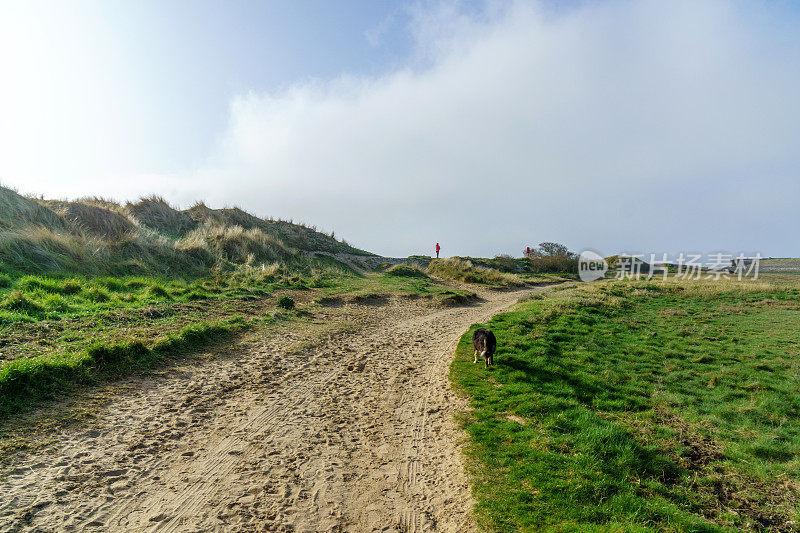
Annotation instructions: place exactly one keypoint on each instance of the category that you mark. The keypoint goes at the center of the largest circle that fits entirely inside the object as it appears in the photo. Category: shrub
(5, 281)
(284, 302)
(554, 263)
(553, 257)
(136, 284)
(383, 265)
(113, 284)
(32, 283)
(505, 263)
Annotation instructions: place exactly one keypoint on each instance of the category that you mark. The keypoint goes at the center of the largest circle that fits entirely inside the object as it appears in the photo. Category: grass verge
(29, 298)
(625, 406)
(27, 381)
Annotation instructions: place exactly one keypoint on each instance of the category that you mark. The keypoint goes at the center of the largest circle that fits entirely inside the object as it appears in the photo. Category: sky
(486, 126)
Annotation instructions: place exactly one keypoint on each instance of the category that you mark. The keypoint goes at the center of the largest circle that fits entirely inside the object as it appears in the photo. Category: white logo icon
(591, 266)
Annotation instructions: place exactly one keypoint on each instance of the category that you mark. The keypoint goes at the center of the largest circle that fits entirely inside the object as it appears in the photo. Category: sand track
(345, 425)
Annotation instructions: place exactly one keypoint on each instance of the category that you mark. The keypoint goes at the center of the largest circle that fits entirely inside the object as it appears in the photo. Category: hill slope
(96, 236)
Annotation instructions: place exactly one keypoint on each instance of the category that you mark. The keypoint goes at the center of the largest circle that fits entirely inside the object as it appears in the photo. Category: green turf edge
(26, 382)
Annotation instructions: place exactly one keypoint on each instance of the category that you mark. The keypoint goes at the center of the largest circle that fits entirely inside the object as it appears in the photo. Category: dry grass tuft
(93, 220)
(155, 213)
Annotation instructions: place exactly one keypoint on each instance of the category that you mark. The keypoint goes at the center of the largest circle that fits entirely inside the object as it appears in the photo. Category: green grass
(25, 382)
(36, 298)
(783, 264)
(627, 406)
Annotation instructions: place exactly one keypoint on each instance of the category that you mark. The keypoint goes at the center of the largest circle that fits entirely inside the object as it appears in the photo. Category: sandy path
(344, 426)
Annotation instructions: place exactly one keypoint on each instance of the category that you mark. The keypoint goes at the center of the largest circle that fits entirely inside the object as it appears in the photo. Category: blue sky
(487, 126)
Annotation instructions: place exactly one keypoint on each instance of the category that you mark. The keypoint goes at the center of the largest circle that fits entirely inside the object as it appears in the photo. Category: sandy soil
(342, 425)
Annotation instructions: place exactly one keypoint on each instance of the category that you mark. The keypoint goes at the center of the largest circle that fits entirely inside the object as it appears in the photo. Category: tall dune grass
(94, 236)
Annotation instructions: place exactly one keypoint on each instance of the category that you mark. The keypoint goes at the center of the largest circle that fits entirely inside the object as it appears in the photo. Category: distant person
(437, 250)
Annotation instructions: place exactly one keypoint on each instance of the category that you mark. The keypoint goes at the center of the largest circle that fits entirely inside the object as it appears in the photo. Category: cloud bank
(638, 126)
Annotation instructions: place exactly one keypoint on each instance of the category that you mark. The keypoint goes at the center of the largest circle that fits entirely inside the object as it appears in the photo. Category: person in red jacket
(437, 250)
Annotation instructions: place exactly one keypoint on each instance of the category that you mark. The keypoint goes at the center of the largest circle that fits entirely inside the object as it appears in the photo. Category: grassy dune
(627, 406)
(457, 269)
(97, 237)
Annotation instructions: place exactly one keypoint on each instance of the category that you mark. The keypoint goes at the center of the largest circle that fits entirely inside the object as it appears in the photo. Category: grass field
(782, 264)
(636, 406)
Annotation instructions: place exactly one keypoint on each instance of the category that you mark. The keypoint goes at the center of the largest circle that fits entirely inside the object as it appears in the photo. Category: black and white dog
(485, 343)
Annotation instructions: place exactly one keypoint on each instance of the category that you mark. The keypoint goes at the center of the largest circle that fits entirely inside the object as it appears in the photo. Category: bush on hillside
(553, 257)
(505, 263)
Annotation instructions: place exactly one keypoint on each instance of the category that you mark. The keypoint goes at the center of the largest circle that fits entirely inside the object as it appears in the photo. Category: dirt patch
(699, 448)
(329, 301)
(373, 299)
(514, 418)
